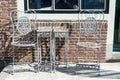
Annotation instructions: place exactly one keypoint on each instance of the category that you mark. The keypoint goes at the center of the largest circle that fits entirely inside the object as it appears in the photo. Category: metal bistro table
(53, 32)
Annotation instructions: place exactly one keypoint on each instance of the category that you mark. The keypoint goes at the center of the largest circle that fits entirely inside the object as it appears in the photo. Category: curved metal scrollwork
(89, 26)
(24, 25)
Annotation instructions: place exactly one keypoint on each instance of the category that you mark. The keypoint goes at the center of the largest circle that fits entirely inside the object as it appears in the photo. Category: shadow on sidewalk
(89, 73)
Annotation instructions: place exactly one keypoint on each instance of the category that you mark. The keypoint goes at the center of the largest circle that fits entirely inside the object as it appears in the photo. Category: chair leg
(13, 64)
(77, 55)
(98, 55)
(39, 58)
(35, 51)
(99, 70)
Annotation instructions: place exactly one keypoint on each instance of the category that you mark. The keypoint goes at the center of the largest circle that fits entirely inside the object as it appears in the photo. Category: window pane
(40, 4)
(93, 4)
(66, 4)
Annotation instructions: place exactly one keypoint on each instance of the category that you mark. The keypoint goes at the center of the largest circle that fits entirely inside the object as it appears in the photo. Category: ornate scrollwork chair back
(22, 22)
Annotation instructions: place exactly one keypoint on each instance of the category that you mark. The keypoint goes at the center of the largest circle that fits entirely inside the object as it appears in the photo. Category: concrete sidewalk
(109, 71)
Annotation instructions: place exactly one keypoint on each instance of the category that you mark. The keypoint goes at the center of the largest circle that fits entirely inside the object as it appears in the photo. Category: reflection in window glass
(66, 4)
(93, 4)
(40, 4)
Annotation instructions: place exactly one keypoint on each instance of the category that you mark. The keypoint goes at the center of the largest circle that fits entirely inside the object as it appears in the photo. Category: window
(66, 6)
(39, 4)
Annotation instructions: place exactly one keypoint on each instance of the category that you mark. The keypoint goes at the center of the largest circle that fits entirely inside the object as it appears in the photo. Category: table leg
(39, 44)
(52, 51)
(66, 49)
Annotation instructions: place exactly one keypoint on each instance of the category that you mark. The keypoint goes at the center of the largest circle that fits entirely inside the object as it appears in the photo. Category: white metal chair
(90, 25)
(24, 33)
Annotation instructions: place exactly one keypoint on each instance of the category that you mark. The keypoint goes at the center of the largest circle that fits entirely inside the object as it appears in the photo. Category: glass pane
(93, 4)
(66, 4)
(40, 4)
(116, 43)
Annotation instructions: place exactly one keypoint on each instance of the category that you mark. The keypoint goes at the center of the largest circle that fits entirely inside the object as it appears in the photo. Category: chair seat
(23, 44)
(89, 44)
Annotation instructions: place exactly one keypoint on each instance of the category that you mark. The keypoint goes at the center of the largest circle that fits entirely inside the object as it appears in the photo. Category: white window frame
(79, 8)
(50, 16)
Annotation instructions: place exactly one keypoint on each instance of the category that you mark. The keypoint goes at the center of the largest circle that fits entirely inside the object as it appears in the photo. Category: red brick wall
(6, 30)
